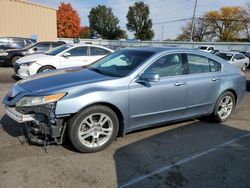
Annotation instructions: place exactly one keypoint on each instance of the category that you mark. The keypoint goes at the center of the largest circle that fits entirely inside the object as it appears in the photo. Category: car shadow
(11, 127)
(16, 78)
(136, 163)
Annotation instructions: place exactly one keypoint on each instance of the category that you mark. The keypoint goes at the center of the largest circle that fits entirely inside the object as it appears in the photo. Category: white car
(235, 58)
(68, 55)
(208, 49)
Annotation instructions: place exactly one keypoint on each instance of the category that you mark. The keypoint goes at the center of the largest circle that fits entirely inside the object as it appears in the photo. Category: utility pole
(162, 30)
(192, 28)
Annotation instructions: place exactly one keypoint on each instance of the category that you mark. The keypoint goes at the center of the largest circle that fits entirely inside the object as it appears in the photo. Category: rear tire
(93, 129)
(14, 59)
(45, 69)
(224, 107)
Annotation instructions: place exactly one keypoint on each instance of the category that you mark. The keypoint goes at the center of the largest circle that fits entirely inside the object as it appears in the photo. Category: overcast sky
(166, 11)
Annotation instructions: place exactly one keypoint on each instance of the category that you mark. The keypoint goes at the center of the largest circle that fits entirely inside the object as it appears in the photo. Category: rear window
(58, 50)
(225, 56)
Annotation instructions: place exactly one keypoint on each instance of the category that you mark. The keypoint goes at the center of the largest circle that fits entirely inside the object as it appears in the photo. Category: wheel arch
(45, 66)
(13, 56)
(121, 130)
(233, 92)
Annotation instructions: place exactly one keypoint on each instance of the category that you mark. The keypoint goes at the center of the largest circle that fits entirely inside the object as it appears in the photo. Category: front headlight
(39, 100)
(3, 53)
(27, 63)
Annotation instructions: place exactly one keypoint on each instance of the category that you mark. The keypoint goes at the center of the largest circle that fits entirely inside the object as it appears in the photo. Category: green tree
(139, 21)
(102, 20)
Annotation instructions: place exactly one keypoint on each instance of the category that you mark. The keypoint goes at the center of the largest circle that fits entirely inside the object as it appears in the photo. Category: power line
(185, 19)
(170, 21)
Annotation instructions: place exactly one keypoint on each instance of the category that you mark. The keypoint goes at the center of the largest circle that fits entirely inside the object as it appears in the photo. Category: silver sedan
(128, 90)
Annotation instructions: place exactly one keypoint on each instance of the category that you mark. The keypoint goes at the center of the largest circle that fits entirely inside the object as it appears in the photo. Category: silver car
(125, 91)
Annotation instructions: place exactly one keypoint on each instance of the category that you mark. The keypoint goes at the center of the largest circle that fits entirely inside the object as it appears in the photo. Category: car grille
(16, 67)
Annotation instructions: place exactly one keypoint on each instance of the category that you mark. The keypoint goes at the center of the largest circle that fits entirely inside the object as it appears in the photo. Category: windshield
(58, 50)
(30, 46)
(225, 56)
(120, 63)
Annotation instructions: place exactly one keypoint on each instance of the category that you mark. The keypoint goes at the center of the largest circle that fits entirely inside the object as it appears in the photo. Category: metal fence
(239, 46)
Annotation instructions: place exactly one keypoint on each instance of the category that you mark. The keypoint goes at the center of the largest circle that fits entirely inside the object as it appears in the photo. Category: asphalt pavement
(188, 154)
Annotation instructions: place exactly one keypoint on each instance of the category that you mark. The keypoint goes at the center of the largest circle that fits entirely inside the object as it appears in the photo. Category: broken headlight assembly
(39, 100)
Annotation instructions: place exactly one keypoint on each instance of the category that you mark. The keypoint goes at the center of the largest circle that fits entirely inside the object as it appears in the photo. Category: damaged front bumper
(17, 116)
(41, 124)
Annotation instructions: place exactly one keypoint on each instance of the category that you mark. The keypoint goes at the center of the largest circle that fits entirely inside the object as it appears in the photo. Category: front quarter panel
(34, 68)
(114, 92)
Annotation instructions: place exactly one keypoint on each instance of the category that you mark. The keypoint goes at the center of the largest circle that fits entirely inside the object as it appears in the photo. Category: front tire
(14, 59)
(45, 69)
(93, 129)
(224, 107)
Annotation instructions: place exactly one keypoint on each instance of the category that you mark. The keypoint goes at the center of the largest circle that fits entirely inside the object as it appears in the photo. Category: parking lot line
(165, 168)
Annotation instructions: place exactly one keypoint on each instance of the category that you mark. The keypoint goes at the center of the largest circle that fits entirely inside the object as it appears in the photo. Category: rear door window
(98, 51)
(18, 42)
(79, 51)
(214, 66)
(200, 64)
(43, 47)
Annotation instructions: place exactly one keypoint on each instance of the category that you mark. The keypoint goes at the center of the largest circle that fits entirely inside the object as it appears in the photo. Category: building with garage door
(23, 18)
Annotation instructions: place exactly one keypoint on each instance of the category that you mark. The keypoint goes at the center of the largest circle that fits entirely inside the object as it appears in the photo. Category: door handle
(215, 79)
(179, 83)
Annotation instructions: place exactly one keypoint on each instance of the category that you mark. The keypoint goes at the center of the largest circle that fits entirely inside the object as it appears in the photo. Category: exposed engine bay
(46, 128)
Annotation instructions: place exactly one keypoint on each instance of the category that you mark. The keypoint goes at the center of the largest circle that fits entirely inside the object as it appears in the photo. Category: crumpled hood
(35, 57)
(63, 78)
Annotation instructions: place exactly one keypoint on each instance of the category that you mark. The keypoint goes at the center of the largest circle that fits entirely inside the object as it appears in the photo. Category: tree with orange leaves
(225, 24)
(68, 21)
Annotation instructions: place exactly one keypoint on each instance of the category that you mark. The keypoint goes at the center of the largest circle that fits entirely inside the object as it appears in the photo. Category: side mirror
(149, 77)
(35, 49)
(66, 54)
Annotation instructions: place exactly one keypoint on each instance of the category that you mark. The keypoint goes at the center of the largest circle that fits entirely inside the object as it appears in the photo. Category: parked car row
(9, 57)
(235, 58)
(239, 59)
(14, 42)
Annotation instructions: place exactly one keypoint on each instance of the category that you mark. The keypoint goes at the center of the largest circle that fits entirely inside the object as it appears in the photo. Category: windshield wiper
(94, 69)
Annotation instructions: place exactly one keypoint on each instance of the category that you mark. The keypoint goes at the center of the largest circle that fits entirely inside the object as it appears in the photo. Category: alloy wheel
(225, 107)
(95, 130)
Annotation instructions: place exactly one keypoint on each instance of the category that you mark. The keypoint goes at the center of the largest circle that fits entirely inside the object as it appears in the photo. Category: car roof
(91, 45)
(230, 52)
(16, 38)
(165, 49)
